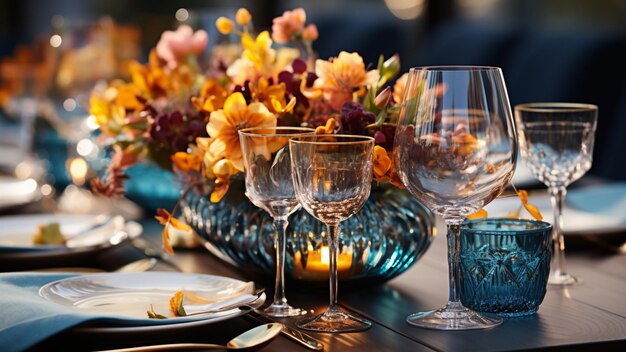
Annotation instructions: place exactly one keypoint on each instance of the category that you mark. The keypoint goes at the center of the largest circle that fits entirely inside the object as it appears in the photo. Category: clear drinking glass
(556, 140)
(455, 151)
(332, 176)
(269, 186)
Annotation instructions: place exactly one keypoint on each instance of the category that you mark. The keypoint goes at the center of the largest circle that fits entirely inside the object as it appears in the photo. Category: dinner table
(588, 316)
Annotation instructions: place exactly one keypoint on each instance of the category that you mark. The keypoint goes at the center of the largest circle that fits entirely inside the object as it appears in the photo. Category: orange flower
(480, 214)
(127, 97)
(329, 128)
(310, 33)
(224, 25)
(339, 77)
(398, 88)
(212, 96)
(243, 16)
(187, 161)
(224, 125)
(166, 219)
(532, 210)
(382, 162)
(273, 96)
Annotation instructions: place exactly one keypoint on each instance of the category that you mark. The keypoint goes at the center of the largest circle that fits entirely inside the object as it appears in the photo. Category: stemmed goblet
(455, 150)
(269, 186)
(332, 177)
(556, 141)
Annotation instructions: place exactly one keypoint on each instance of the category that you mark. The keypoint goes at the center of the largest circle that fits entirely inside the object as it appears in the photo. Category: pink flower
(175, 46)
(287, 26)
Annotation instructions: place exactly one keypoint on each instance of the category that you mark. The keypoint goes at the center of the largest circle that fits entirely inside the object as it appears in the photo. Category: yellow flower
(339, 77)
(109, 116)
(259, 52)
(224, 25)
(382, 162)
(328, 128)
(225, 123)
(243, 17)
(257, 60)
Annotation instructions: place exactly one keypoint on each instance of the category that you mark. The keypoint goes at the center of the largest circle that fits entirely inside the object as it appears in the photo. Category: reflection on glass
(455, 151)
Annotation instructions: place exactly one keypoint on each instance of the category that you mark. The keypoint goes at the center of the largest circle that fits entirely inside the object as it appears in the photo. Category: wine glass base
(459, 318)
(334, 320)
(562, 279)
(282, 311)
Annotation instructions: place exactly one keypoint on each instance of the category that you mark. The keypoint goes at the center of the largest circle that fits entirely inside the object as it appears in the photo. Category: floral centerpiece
(186, 117)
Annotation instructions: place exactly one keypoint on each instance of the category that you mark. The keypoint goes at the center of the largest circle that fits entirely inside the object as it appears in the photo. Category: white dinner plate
(127, 297)
(593, 210)
(15, 192)
(17, 232)
(17, 251)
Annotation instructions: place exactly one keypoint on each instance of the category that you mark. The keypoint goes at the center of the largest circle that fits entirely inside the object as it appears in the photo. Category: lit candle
(318, 264)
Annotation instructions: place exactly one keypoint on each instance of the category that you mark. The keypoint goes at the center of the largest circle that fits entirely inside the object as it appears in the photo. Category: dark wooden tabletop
(584, 317)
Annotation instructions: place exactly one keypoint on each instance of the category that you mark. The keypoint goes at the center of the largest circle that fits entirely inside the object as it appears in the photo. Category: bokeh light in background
(406, 9)
(56, 41)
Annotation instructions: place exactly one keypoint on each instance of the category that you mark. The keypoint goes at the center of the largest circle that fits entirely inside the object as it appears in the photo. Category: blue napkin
(27, 319)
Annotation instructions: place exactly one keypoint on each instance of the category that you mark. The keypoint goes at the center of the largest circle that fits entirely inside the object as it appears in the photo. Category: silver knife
(305, 340)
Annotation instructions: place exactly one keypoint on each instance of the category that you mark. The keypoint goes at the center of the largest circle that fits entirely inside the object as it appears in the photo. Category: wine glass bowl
(455, 150)
(269, 186)
(332, 177)
(556, 141)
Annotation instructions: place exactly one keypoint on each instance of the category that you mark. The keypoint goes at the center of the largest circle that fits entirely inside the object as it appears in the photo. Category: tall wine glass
(332, 178)
(556, 141)
(269, 186)
(455, 150)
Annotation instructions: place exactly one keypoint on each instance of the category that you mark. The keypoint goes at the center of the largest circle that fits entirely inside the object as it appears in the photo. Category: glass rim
(552, 107)
(364, 139)
(545, 227)
(455, 68)
(304, 131)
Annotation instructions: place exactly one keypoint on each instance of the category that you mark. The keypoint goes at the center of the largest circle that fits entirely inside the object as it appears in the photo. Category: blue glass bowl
(504, 265)
(390, 233)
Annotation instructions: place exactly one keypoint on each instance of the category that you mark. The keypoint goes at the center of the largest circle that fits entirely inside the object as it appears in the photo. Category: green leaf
(154, 315)
(49, 234)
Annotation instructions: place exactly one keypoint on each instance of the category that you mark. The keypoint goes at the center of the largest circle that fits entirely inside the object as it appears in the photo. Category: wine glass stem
(454, 250)
(280, 225)
(333, 250)
(558, 255)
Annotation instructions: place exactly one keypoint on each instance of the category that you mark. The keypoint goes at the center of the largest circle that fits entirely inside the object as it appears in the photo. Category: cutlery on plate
(245, 306)
(250, 340)
(295, 335)
(101, 221)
